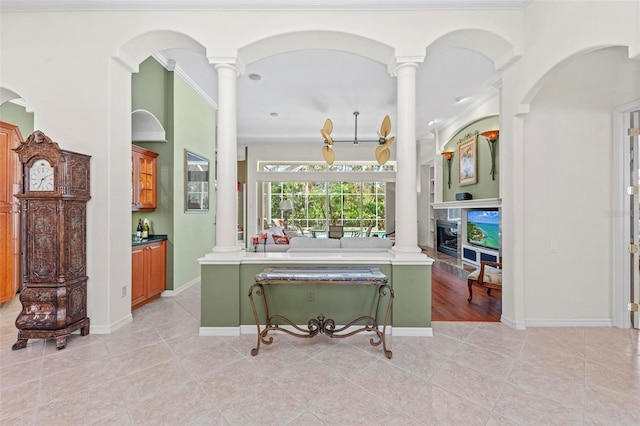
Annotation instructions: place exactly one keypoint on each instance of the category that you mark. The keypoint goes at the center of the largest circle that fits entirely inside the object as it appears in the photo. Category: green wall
(485, 186)
(189, 123)
(194, 130)
(225, 297)
(18, 116)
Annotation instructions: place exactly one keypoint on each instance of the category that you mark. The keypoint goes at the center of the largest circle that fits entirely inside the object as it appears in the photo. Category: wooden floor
(449, 300)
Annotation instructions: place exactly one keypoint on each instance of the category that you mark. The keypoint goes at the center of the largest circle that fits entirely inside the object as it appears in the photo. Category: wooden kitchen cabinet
(144, 179)
(148, 272)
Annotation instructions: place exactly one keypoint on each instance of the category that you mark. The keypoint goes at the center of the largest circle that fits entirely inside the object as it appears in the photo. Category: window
(196, 194)
(357, 206)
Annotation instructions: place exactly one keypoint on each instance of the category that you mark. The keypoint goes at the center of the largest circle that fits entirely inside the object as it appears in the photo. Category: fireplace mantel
(469, 204)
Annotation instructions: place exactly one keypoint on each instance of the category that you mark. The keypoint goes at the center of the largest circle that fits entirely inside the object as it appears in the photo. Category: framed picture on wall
(468, 160)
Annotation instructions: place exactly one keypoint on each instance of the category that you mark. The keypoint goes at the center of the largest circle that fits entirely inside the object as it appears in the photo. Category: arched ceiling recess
(145, 127)
(313, 40)
(146, 44)
(7, 95)
(473, 58)
(498, 50)
(554, 67)
(309, 76)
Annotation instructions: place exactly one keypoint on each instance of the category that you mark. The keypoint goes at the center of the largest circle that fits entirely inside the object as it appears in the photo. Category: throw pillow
(280, 239)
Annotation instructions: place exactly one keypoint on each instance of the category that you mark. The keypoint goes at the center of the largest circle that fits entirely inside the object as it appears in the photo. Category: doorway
(10, 138)
(626, 216)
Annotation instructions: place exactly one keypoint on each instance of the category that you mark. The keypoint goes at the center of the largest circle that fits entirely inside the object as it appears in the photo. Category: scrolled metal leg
(387, 352)
(259, 289)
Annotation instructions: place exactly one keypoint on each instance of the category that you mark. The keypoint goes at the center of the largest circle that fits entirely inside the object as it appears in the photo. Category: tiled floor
(158, 371)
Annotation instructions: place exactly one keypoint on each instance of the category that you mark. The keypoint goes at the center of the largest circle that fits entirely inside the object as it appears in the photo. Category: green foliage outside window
(355, 205)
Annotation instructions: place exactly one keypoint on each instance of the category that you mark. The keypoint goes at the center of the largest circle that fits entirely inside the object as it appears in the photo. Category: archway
(573, 102)
(16, 124)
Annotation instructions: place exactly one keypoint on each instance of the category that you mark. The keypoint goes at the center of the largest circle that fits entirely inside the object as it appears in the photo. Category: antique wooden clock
(53, 200)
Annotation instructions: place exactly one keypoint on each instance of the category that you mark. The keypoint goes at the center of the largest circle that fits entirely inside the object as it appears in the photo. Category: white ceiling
(306, 87)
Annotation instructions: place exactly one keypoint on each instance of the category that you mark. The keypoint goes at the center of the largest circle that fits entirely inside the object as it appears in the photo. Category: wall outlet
(124, 291)
(311, 296)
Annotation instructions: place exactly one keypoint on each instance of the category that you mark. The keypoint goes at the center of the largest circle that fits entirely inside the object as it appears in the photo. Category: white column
(226, 199)
(406, 157)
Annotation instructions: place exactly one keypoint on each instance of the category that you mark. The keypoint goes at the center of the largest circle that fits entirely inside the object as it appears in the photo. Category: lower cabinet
(148, 272)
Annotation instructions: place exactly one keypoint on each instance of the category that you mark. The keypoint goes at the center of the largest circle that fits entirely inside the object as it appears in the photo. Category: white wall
(568, 172)
(557, 32)
(73, 71)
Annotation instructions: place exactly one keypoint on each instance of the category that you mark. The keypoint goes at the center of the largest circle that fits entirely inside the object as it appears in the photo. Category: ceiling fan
(382, 150)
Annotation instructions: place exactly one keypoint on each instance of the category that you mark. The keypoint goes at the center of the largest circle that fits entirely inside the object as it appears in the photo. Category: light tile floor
(157, 370)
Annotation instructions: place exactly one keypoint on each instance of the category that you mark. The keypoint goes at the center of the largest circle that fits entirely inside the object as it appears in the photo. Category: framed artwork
(468, 160)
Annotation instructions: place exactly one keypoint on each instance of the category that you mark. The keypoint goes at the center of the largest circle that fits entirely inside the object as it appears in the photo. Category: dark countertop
(152, 239)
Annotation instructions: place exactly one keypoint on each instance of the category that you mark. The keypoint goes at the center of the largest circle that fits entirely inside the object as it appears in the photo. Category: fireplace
(447, 237)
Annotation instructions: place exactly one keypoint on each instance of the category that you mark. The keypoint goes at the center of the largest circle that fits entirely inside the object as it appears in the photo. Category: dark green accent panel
(341, 303)
(225, 297)
(221, 298)
(412, 302)
(485, 187)
(302, 302)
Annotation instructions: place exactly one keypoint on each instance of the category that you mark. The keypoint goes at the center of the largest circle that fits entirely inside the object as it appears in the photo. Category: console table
(320, 324)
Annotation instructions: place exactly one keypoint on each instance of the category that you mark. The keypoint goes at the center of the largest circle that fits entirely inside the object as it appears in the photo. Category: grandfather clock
(53, 200)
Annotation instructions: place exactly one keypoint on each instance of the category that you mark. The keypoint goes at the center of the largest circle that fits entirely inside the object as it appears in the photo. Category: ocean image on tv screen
(483, 228)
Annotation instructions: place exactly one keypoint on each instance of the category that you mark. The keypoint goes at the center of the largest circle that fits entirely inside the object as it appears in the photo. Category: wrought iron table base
(320, 324)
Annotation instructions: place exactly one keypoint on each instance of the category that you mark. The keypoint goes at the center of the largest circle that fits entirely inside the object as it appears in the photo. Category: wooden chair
(489, 276)
(336, 231)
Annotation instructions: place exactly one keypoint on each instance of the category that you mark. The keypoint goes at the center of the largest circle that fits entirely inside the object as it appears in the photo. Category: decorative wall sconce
(492, 138)
(448, 155)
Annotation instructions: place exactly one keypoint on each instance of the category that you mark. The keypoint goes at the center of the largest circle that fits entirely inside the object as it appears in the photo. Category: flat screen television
(483, 228)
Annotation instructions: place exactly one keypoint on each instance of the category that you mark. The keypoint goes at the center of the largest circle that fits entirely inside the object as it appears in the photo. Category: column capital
(227, 63)
(400, 62)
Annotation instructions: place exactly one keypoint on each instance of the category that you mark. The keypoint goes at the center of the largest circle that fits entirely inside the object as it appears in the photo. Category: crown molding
(131, 5)
(171, 65)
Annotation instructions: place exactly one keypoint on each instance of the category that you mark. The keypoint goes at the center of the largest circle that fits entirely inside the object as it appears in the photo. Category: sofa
(344, 244)
(280, 240)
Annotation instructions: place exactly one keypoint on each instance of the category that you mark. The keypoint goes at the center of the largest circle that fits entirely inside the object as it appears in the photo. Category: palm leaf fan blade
(328, 154)
(385, 128)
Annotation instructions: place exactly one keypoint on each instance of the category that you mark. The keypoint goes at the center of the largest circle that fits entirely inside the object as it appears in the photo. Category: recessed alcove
(145, 127)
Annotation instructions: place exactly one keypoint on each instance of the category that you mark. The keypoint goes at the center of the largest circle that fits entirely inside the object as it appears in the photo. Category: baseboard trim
(413, 331)
(571, 322)
(512, 324)
(219, 331)
(173, 293)
(108, 329)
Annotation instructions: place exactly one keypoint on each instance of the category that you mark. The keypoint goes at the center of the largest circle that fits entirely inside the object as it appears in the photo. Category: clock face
(41, 176)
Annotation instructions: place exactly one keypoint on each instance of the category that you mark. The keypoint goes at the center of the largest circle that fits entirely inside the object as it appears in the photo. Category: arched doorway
(15, 125)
